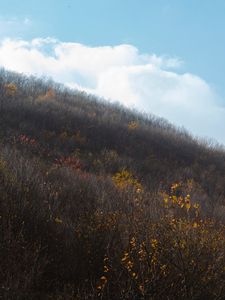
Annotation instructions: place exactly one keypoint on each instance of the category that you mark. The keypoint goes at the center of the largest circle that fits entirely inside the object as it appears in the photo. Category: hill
(101, 202)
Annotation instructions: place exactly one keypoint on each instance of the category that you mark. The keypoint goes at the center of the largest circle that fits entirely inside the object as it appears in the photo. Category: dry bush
(100, 202)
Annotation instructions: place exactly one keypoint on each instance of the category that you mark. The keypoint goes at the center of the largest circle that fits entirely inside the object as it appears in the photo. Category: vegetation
(101, 202)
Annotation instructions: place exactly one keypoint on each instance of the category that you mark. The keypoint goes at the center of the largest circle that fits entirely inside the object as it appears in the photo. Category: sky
(165, 57)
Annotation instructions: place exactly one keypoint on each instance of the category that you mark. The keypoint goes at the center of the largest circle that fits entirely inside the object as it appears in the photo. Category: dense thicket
(98, 201)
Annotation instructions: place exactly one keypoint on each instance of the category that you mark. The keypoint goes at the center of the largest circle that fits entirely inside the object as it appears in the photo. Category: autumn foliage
(99, 202)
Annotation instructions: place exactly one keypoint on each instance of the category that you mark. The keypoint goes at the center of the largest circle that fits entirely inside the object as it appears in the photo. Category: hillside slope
(82, 180)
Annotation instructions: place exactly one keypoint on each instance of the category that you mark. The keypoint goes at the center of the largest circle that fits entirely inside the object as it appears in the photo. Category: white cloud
(147, 82)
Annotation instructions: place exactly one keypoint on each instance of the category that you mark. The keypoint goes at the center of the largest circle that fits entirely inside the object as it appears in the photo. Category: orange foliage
(50, 94)
(10, 89)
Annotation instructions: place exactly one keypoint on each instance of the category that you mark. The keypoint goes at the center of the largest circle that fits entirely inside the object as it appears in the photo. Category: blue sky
(190, 32)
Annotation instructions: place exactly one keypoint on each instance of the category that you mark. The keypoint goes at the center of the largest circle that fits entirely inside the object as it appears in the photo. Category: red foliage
(70, 161)
(24, 139)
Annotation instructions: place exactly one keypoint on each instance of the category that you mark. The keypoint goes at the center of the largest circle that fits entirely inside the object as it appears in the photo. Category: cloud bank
(146, 82)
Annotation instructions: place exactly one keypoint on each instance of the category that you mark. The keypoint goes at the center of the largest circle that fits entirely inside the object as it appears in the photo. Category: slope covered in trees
(100, 202)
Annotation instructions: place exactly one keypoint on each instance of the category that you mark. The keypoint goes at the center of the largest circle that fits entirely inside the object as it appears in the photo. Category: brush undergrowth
(99, 202)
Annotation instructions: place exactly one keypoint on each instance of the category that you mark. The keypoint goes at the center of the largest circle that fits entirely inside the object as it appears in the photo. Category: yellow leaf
(59, 221)
(195, 225)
